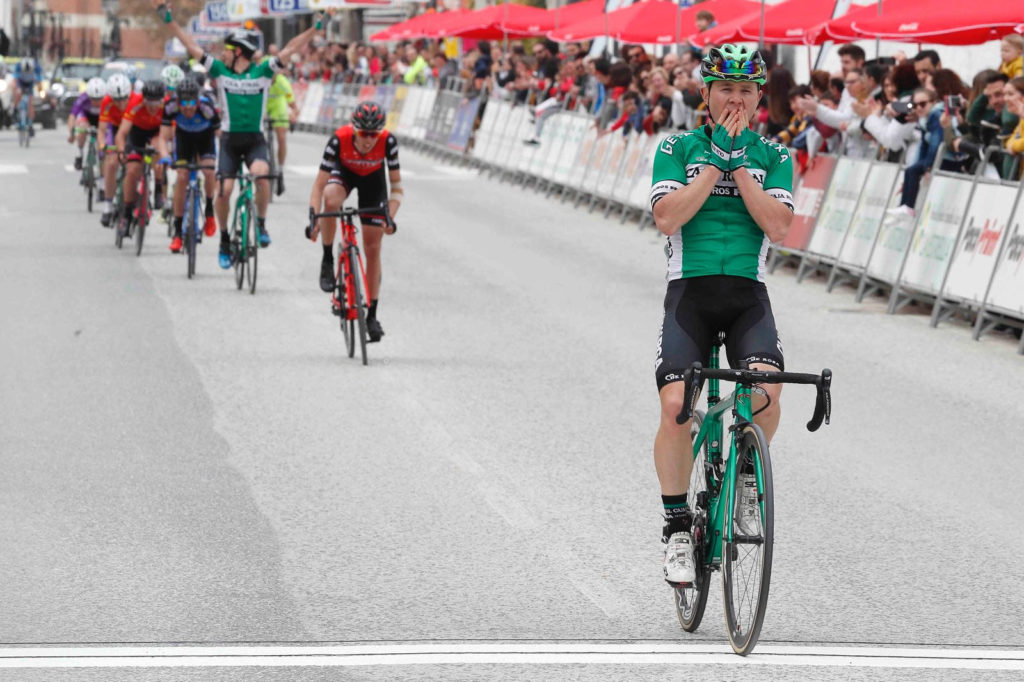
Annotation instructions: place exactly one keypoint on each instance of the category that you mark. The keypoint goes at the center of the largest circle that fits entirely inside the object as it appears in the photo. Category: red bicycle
(349, 300)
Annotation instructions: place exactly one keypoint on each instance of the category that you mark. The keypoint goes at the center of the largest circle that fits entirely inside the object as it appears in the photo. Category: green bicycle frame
(722, 494)
(245, 195)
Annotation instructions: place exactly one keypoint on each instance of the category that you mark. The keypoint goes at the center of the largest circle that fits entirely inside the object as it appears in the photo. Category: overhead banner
(974, 260)
(279, 7)
(216, 13)
(243, 9)
(1007, 291)
(936, 233)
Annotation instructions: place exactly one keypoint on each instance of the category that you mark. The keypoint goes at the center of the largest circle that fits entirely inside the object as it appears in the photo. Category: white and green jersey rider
(722, 238)
(243, 96)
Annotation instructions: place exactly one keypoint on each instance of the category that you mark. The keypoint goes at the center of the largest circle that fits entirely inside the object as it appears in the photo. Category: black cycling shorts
(373, 191)
(697, 309)
(138, 140)
(238, 147)
(194, 147)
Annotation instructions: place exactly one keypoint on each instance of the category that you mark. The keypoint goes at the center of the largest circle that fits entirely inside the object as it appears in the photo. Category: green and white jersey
(242, 96)
(722, 238)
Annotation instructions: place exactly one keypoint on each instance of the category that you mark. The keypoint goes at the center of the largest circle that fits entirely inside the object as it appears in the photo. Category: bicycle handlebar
(695, 375)
(349, 213)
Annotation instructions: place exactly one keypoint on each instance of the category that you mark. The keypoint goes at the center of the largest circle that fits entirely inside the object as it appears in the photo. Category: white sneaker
(748, 512)
(679, 560)
(900, 212)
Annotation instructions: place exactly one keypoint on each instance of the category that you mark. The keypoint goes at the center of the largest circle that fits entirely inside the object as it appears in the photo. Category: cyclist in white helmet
(172, 75)
(112, 108)
(85, 114)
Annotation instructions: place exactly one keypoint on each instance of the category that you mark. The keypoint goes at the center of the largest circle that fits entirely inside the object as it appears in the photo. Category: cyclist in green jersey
(243, 87)
(721, 194)
(281, 111)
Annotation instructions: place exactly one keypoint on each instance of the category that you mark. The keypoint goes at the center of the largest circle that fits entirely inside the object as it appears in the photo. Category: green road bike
(723, 538)
(89, 172)
(245, 238)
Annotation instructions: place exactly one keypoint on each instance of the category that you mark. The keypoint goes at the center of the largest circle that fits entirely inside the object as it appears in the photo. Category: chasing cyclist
(85, 114)
(140, 128)
(243, 86)
(112, 108)
(721, 194)
(355, 158)
(282, 111)
(26, 74)
(190, 122)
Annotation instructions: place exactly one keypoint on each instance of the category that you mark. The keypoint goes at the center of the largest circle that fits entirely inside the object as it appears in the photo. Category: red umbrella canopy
(790, 22)
(946, 25)
(841, 28)
(651, 22)
(726, 32)
(554, 18)
(485, 23)
(411, 28)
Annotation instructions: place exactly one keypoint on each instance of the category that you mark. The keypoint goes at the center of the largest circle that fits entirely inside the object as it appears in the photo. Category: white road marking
(489, 654)
(13, 168)
(70, 168)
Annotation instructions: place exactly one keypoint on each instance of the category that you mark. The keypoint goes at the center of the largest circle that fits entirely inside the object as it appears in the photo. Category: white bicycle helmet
(119, 87)
(27, 65)
(172, 75)
(96, 88)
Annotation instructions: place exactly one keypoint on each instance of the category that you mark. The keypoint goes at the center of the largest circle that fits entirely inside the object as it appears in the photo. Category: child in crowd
(1012, 51)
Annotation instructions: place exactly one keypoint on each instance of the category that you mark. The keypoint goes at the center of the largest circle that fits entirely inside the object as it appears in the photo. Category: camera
(902, 108)
(954, 102)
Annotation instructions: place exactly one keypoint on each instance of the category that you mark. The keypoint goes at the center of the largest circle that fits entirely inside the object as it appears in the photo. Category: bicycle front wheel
(239, 234)
(190, 228)
(348, 326)
(747, 559)
(143, 219)
(253, 248)
(359, 298)
(691, 599)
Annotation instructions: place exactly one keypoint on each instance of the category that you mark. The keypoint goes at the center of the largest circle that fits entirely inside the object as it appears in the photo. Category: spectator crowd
(896, 107)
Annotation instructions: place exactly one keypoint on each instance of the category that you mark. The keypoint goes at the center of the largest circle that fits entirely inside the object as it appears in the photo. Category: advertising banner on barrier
(582, 136)
(310, 110)
(838, 206)
(512, 145)
(932, 244)
(596, 162)
(384, 96)
(807, 202)
(328, 104)
(442, 117)
(462, 125)
(395, 110)
(410, 109)
(974, 259)
(485, 132)
(1007, 292)
(609, 172)
(630, 168)
(867, 217)
(552, 138)
(640, 194)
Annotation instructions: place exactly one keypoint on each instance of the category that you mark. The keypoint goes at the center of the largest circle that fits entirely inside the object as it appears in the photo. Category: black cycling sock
(373, 310)
(677, 514)
(261, 223)
(328, 252)
(159, 187)
(225, 238)
(209, 208)
(128, 210)
(177, 226)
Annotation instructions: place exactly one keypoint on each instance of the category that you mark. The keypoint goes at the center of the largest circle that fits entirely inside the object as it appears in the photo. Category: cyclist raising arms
(721, 194)
(191, 122)
(243, 87)
(119, 92)
(354, 158)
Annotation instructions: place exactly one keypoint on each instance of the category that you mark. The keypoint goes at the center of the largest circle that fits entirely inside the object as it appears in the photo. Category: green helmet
(172, 75)
(733, 63)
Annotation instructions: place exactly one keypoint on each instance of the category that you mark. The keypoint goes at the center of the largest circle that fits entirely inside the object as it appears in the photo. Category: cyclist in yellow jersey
(282, 111)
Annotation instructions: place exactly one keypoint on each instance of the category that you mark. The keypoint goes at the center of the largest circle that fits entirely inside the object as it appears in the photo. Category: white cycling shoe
(680, 566)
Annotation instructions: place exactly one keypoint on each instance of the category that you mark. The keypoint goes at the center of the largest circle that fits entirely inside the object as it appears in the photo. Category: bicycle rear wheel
(359, 298)
(747, 560)
(253, 248)
(89, 180)
(691, 600)
(143, 210)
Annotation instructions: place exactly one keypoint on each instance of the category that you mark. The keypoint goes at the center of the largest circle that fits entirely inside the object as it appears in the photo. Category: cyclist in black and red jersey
(355, 158)
(140, 128)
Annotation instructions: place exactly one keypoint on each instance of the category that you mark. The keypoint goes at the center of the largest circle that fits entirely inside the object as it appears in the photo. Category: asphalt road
(184, 463)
